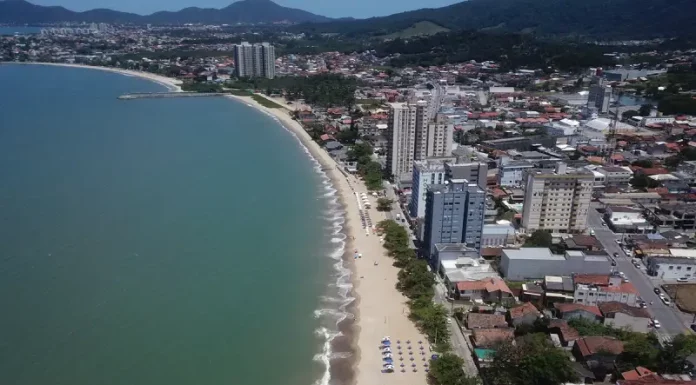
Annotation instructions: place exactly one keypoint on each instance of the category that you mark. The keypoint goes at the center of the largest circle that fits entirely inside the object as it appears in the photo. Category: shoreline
(379, 309)
(173, 85)
(345, 371)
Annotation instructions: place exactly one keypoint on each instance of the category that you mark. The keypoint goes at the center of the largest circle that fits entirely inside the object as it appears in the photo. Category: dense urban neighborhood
(541, 208)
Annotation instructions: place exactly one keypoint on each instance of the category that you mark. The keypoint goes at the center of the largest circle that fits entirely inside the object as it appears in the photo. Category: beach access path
(381, 308)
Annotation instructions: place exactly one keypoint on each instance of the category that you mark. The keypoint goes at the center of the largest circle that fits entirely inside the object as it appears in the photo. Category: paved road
(396, 209)
(671, 322)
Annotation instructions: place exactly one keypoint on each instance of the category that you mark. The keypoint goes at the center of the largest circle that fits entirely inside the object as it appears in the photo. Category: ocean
(160, 241)
(19, 30)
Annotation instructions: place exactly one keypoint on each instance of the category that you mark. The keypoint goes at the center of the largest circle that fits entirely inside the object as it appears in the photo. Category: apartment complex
(434, 171)
(413, 137)
(257, 60)
(557, 201)
(454, 213)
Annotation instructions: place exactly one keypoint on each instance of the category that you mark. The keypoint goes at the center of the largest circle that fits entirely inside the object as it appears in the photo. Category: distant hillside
(421, 28)
(244, 11)
(597, 18)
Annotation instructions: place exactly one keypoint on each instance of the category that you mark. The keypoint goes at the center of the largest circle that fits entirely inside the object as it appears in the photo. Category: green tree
(532, 360)
(629, 114)
(384, 204)
(447, 370)
(642, 181)
(644, 163)
(539, 238)
(672, 358)
(645, 110)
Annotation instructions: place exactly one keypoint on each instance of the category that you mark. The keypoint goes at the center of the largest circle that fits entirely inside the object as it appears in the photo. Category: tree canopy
(532, 360)
(539, 238)
(447, 370)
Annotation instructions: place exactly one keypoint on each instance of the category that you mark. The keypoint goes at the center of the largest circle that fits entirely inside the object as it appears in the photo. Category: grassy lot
(684, 296)
(421, 28)
(265, 102)
(238, 92)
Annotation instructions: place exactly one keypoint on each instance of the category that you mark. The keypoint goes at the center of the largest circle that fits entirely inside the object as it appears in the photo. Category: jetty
(157, 95)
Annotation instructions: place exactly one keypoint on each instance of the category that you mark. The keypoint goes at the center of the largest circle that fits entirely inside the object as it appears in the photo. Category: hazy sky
(331, 8)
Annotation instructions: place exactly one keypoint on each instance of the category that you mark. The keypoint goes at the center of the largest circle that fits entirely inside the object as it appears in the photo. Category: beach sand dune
(381, 309)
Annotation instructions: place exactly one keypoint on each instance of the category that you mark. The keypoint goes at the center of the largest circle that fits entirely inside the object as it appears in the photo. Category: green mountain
(595, 18)
(244, 11)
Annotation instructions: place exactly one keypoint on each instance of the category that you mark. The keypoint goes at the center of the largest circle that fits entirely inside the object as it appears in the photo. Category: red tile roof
(485, 321)
(591, 279)
(489, 284)
(592, 345)
(655, 380)
(608, 308)
(523, 310)
(567, 332)
(637, 373)
(570, 307)
(488, 337)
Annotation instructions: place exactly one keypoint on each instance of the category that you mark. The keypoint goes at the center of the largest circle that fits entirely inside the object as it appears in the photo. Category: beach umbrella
(403, 370)
(426, 369)
(408, 347)
(398, 341)
(387, 343)
(408, 341)
(422, 347)
(423, 358)
(425, 364)
(434, 356)
(413, 364)
(410, 352)
(411, 358)
(402, 365)
(420, 342)
(422, 352)
(415, 370)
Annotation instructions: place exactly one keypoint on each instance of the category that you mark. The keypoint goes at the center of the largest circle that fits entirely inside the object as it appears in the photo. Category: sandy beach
(380, 310)
(174, 85)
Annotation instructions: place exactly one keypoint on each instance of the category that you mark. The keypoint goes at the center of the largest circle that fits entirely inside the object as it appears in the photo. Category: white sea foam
(335, 215)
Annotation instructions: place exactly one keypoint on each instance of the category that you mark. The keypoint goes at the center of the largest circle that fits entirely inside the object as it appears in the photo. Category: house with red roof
(620, 316)
(566, 333)
(569, 311)
(525, 314)
(598, 351)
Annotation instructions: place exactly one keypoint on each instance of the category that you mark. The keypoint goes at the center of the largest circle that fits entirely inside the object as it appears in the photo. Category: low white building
(626, 219)
(671, 268)
(502, 233)
(616, 290)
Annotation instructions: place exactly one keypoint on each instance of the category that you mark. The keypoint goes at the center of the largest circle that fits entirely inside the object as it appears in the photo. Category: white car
(683, 279)
(665, 300)
(656, 324)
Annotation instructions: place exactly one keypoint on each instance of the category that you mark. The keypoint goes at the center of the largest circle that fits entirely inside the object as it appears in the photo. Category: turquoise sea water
(159, 241)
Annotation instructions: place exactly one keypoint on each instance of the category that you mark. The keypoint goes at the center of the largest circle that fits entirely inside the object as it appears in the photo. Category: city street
(672, 323)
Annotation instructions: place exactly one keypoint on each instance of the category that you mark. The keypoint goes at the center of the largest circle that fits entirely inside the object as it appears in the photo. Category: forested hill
(243, 11)
(622, 19)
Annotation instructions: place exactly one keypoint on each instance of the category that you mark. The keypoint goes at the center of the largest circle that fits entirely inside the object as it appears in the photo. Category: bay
(159, 241)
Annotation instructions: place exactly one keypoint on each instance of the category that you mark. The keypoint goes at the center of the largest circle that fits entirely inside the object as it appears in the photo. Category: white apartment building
(616, 176)
(256, 60)
(616, 290)
(440, 137)
(557, 201)
(513, 173)
(406, 133)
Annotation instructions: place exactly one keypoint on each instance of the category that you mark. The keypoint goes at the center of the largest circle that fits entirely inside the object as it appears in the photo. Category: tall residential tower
(256, 60)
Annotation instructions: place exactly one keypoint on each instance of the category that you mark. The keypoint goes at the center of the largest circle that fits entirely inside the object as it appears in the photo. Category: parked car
(683, 279)
(616, 255)
(665, 299)
(643, 305)
(657, 290)
(613, 262)
(656, 324)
